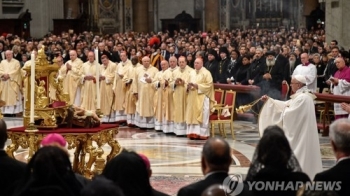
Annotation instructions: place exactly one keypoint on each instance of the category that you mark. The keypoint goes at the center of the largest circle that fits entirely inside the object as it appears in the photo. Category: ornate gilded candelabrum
(245, 108)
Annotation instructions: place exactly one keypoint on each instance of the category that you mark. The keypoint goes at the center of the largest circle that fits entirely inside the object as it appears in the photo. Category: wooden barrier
(327, 98)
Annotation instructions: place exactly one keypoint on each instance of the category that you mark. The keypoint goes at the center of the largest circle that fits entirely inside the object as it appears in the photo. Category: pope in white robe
(298, 120)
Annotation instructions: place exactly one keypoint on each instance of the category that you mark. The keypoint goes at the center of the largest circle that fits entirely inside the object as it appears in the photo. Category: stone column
(140, 18)
(212, 15)
(337, 27)
(71, 8)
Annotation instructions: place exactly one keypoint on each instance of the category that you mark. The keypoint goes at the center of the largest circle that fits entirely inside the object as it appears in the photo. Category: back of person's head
(340, 135)
(303, 192)
(215, 190)
(273, 148)
(217, 154)
(54, 138)
(101, 186)
(49, 171)
(128, 170)
(3, 133)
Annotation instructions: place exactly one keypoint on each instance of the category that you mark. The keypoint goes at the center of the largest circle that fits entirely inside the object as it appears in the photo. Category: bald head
(217, 155)
(3, 133)
(215, 190)
(304, 57)
(198, 63)
(146, 61)
(340, 63)
(164, 65)
(340, 136)
(172, 62)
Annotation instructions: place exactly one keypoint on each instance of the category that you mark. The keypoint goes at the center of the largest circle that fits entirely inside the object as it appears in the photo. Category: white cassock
(298, 120)
(310, 72)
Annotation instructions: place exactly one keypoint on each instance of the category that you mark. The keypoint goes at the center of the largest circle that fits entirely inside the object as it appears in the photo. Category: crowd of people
(154, 81)
(49, 172)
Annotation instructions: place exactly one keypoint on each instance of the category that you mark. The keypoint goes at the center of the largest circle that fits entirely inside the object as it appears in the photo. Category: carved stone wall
(108, 16)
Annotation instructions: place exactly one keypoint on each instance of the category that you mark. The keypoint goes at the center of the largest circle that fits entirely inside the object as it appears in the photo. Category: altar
(47, 110)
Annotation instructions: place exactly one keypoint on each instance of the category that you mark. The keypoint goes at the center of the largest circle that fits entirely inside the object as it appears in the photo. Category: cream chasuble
(298, 120)
(180, 94)
(199, 104)
(74, 80)
(106, 88)
(119, 86)
(159, 109)
(145, 103)
(88, 90)
(10, 89)
(130, 99)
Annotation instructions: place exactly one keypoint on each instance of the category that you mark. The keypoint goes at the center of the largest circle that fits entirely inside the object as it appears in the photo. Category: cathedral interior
(108, 16)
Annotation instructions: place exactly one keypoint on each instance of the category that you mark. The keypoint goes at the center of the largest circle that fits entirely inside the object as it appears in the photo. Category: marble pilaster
(212, 15)
(337, 27)
(140, 17)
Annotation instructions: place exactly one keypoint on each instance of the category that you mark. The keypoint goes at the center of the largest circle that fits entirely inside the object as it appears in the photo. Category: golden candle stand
(48, 91)
(80, 139)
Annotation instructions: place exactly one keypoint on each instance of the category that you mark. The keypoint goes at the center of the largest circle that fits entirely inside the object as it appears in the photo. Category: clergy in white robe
(179, 86)
(119, 87)
(143, 89)
(74, 73)
(88, 80)
(159, 85)
(341, 86)
(106, 88)
(308, 70)
(298, 120)
(200, 100)
(168, 97)
(11, 84)
(130, 99)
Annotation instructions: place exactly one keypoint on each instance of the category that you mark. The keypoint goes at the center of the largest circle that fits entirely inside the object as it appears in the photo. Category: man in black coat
(216, 160)
(11, 170)
(222, 71)
(340, 140)
(212, 63)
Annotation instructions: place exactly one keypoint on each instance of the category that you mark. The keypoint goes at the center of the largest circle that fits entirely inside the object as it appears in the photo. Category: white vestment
(343, 88)
(310, 72)
(298, 120)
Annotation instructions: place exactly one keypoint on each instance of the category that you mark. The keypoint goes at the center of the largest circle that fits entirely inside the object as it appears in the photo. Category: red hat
(54, 138)
(145, 160)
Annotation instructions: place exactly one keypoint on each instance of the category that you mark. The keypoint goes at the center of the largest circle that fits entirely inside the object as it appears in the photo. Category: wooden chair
(220, 119)
(284, 91)
(219, 96)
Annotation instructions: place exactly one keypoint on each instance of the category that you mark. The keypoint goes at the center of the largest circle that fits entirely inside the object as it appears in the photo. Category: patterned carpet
(172, 184)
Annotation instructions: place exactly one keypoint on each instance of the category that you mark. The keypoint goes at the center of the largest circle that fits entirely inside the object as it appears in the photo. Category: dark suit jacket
(197, 188)
(157, 193)
(212, 68)
(339, 172)
(269, 174)
(11, 171)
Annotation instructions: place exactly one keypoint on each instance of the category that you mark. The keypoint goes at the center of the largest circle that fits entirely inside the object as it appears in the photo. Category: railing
(327, 98)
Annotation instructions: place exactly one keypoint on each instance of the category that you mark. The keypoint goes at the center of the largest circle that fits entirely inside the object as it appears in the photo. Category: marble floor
(179, 158)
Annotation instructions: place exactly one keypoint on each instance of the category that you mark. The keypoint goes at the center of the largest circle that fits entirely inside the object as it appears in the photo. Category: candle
(97, 80)
(32, 86)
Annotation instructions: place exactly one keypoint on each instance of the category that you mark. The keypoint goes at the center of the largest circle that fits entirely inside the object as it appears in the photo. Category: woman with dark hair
(49, 172)
(190, 60)
(274, 161)
(128, 170)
